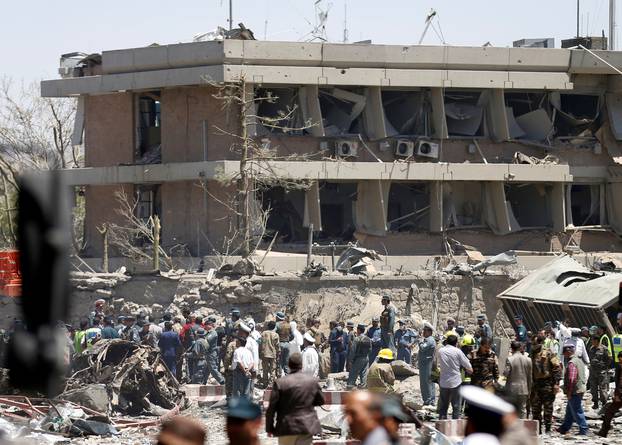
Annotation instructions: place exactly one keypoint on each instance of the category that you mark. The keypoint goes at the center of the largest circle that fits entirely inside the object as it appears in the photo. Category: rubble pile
(133, 378)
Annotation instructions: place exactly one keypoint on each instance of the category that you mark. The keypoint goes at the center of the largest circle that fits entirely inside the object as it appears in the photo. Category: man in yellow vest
(616, 340)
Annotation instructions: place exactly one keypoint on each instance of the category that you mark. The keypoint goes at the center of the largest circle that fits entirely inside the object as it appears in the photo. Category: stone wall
(417, 297)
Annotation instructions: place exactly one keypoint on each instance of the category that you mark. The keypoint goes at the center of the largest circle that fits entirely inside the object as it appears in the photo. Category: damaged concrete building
(497, 148)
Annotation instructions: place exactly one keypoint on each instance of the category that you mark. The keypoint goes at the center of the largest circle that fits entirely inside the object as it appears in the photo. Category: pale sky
(33, 33)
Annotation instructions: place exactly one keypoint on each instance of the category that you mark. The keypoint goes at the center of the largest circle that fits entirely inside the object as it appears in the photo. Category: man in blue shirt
(374, 333)
(425, 359)
(108, 331)
(169, 344)
(521, 330)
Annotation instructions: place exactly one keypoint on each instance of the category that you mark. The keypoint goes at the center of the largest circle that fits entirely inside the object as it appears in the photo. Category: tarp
(561, 282)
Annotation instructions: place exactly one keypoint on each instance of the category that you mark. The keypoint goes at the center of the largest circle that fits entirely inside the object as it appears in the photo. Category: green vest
(580, 388)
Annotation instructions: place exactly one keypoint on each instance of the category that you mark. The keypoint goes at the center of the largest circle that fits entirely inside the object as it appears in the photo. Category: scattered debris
(314, 270)
(357, 260)
(520, 158)
(502, 259)
(608, 263)
(136, 380)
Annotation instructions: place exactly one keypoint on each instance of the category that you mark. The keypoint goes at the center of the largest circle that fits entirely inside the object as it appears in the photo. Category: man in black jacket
(291, 412)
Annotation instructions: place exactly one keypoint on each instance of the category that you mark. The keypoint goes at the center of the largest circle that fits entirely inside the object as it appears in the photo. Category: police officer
(521, 330)
(425, 359)
(361, 348)
(484, 327)
(405, 344)
(387, 323)
(337, 341)
(374, 333)
(350, 334)
(213, 351)
(598, 382)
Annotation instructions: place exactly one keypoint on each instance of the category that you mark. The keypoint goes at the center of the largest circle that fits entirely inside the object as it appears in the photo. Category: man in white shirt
(310, 357)
(450, 360)
(242, 367)
(296, 344)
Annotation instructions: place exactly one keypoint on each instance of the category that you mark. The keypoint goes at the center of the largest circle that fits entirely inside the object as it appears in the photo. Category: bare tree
(135, 238)
(35, 134)
(254, 174)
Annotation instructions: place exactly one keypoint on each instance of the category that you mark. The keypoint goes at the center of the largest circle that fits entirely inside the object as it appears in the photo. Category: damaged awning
(563, 289)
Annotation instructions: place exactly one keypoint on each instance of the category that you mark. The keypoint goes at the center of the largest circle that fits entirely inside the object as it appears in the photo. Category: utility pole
(230, 15)
(612, 25)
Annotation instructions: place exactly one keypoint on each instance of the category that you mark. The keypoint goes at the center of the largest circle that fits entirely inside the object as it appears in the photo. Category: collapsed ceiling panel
(341, 110)
(464, 112)
(407, 112)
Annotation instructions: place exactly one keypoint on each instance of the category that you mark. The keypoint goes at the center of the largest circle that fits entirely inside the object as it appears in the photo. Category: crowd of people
(242, 354)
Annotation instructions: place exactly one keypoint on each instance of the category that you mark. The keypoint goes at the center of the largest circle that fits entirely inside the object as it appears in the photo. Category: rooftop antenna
(321, 17)
(428, 23)
(578, 17)
(612, 25)
(230, 15)
(345, 21)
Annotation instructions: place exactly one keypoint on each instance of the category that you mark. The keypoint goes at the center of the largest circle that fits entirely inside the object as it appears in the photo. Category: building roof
(565, 281)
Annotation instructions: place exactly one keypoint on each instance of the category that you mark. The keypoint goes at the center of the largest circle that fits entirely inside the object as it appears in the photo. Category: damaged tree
(254, 175)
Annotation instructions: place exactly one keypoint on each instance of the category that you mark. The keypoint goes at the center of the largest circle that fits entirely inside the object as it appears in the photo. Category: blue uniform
(169, 344)
(404, 344)
(425, 359)
(375, 334)
(338, 349)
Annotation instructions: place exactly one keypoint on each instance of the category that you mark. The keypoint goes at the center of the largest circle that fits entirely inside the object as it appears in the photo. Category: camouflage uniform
(598, 381)
(485, 369)
(228, 361)
(547, 372)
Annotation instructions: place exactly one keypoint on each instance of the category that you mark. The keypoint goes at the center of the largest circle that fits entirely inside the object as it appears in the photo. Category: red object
(10, 275)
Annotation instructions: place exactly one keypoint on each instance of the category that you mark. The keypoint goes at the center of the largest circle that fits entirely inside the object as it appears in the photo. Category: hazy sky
(33, 33)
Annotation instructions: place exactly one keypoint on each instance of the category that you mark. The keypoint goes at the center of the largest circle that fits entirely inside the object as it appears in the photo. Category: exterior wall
(193, 220)
(183, 112)
(100, 208)
(109, 130)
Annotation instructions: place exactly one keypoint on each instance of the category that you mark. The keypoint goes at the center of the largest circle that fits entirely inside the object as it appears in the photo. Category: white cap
(483, 399)
(245, 328)
(481, 439)
(428, 326)
(309, 337)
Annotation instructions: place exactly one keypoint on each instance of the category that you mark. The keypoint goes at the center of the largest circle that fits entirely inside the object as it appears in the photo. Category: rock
(92, 396)
(402, 369)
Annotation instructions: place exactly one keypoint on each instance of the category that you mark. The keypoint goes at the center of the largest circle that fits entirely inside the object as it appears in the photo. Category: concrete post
(156, 242)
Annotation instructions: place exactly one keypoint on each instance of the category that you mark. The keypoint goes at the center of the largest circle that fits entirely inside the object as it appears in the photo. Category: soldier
(598, 381)
(374, 333)
(547, 372)
(232, 323)
(616, 403)
(212, 353)
(319, 336)
(268, 351)
(228, 361)
(387, 324)
(361, 347)
(283, 328)
(485, 366)
(198, 356)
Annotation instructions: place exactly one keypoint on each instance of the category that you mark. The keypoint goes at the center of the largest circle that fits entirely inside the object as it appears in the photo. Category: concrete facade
(560, 109)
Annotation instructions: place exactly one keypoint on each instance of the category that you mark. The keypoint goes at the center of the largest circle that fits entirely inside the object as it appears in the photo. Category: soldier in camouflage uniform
(228, 360)
(485, 365)
(547, 372)
(598, 382)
